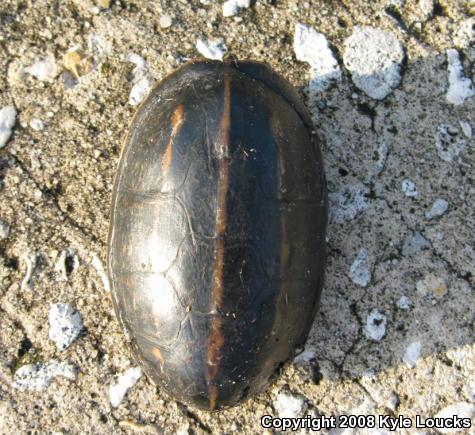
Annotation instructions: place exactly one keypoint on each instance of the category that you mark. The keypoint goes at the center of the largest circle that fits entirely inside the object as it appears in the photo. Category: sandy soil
(395, 332)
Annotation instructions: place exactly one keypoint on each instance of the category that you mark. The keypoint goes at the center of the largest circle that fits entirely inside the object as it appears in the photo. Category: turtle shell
(217, 236)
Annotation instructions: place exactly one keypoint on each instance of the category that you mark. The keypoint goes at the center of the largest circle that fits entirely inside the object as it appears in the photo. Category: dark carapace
(217, 237)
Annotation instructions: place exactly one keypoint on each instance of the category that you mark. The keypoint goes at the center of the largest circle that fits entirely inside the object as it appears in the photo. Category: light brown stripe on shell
(216, 339)
(158, 355)
(178, 118)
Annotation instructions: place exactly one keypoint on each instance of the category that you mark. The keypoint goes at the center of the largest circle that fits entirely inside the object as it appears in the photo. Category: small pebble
(78, 63)
(469, 389)
(466, 129)
(312, 47)
(97, 264)
(214, 49)
(288, 405)
(125, 381)
(65, 325)
(165, 21)
(359, 272)
(7, 121)
(68, 80)
(449, 142)
(38, 377)
(141, 82)
(397, 3)
(393, 402)
(30, 262)
(382, 154)
(99, 46)
(432, 284)
(412, 354)
(373, 57)
(37, 124)
(409, 188)
(348, 202)
(305, 357)
(43, 69)
(439, 207)
(375, 328)
(404, 303)
(464, 410)
(414, 243)
(460, 87)
(427, 8)
(463, 37)
(4, 230)
(138, 61)
(233, 7)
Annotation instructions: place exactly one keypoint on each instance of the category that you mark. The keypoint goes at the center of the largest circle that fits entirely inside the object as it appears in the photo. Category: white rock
(398, 3)
(68, 80)
(289, 405)
(375, 327)
(65, 324)
(141, 82)
(409, 188)
(460, 87)
(439, 207)
(464, 35)
(393, 401)
(348, 202)
(412, 354)
(39, 376)
(97, 264)
(427, 8)
(469, 389)
(404, 303)
(7, 121)
(414, 243)
(4, 230)
(359, 272)
(99, 46)
(30, 262)
(43, 69)
(124, 382)
(165, 21)
(312, 47)
(139, 91)
(466, 128)
(212, 49)
(449, 142)
(373, 57)
(461, 410)
(304, 357)
(37, 124)
(233, 7)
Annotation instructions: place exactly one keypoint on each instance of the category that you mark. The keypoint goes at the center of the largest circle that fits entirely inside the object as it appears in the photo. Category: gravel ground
(389, 84)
